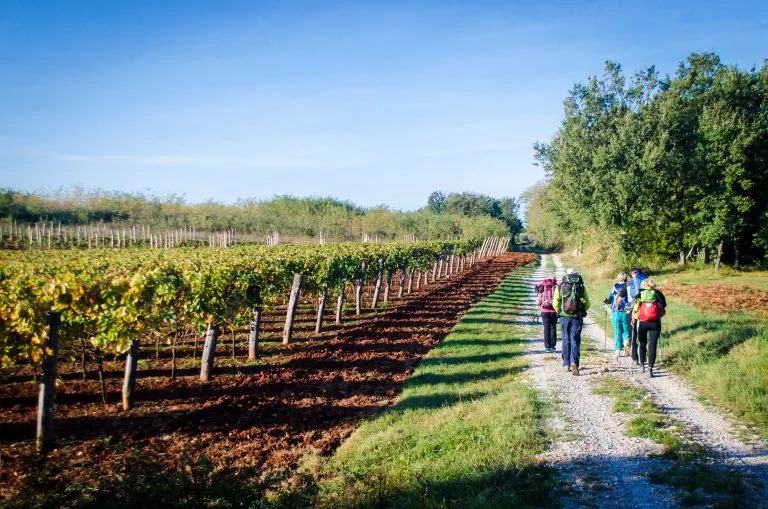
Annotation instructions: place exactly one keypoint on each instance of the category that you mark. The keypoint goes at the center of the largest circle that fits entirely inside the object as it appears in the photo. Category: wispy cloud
(304, 161)
(144, 160)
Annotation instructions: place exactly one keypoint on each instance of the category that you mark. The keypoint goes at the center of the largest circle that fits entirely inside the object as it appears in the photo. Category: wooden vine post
(253, 334)
(129, 380)
(321, 310)
(387, 286)
(339, 306)
(45, 438)
(293, 303)
(377, 288)
(359, 290)
(209, 351)
(410, 280)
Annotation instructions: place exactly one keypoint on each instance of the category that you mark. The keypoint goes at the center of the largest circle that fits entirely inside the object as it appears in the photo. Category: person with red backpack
(650, 305)
(545, 296)
(571, 303)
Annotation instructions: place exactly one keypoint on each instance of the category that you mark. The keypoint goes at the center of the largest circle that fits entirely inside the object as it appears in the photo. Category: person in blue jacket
(638, 276)
(618, 301)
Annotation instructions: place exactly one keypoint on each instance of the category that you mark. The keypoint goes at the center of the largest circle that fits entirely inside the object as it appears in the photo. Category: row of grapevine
(50, 301)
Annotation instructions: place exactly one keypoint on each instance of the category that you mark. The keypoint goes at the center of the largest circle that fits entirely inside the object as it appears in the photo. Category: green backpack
(571, 294)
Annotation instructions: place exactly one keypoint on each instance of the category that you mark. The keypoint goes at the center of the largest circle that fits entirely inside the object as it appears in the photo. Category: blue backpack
(619, 303)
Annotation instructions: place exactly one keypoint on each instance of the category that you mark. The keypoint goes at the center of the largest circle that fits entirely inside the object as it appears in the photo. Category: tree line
(336, 220)
(660, 168)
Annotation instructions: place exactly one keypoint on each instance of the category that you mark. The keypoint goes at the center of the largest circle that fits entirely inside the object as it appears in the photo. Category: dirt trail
(264, 418)
(601, 467)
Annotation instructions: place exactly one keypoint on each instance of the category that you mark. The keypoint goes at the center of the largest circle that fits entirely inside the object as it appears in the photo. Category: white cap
(571, 271)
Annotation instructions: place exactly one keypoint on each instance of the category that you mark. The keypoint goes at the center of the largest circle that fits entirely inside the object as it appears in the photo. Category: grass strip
(465, 431)
(690, 470)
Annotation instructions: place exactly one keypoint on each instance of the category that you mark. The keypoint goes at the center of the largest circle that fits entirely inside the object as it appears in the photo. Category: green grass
(626, 396)
(724, 356)
(465, 431)
(649, 421)
(696, 273)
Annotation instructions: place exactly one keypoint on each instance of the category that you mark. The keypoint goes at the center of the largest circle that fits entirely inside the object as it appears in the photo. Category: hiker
(617, 300)
(571, 303)
(545, 296)
(638, 276)
(650, 305)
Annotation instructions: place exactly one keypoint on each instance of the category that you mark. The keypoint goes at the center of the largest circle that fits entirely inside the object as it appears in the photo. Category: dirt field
(721, 298)
(251, 419)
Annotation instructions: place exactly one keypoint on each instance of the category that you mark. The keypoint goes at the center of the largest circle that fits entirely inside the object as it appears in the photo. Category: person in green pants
(617, 299)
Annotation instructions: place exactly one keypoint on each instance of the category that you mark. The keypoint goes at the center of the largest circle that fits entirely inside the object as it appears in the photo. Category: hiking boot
(567, 367)
(575, 371)
(643, 367)
(650, 372)
(626, 351)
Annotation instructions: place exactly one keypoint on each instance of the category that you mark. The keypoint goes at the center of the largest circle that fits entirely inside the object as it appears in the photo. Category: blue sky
(374, 102)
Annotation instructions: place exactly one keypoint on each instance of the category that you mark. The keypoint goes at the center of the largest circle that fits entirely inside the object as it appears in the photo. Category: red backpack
(650, 309)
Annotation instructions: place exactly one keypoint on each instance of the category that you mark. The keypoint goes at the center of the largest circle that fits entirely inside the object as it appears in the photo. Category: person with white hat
(571, 303)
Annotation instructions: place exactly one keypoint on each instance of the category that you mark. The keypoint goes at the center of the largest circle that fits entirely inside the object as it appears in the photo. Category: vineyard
(76, 305)
(174, 303)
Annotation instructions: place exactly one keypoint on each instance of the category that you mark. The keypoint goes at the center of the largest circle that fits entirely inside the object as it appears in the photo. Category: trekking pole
(605, 331)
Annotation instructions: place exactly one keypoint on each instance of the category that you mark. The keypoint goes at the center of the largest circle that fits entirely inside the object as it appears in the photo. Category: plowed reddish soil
(302, 398)
(722, 298)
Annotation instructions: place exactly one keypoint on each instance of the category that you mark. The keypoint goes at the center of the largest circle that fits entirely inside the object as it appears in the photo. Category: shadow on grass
(145, 480)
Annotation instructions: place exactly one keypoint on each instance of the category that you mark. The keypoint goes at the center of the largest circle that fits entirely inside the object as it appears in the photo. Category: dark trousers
(549, 320)
(648, 336)
(571, 332)
(633, 341)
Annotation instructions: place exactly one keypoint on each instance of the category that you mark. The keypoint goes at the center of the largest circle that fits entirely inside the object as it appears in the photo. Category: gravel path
(598, 465)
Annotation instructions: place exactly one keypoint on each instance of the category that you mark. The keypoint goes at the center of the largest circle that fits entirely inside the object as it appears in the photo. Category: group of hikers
(636, 308)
